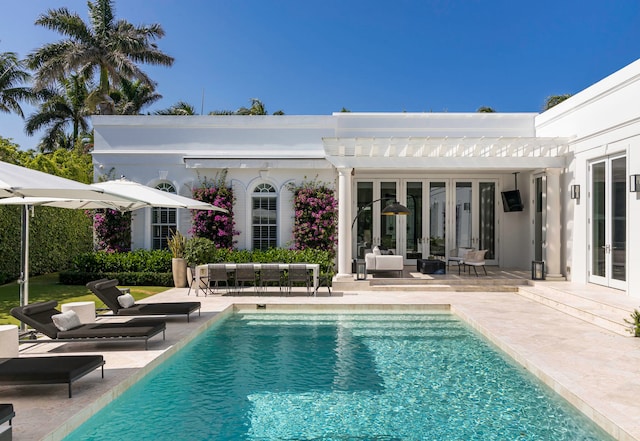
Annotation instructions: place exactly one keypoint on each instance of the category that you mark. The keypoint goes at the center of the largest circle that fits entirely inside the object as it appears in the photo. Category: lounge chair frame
(48, 370)
(107, 290)
(38, 316)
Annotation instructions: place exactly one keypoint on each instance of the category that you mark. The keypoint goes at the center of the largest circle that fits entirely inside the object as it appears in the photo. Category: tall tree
(132, 96)
(105, 46)
(13, 78)
(62, 109)
(179, 108)
(257, 108)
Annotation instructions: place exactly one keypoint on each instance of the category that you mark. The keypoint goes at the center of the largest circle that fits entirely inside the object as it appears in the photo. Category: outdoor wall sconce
(634, 183)
(575, 192)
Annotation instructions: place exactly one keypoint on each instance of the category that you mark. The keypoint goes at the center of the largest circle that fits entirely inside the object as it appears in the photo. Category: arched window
(163, 220)
(264, 215)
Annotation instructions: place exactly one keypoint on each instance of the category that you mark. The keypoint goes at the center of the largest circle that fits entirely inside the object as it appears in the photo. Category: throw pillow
(66, 320)
(376, 251)
(126, 300)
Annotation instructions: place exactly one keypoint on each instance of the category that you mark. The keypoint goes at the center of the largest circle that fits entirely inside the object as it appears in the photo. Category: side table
(437, 266)
(86, 310)
(8, 341)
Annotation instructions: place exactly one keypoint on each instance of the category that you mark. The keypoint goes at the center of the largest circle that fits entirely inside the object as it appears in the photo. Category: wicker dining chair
(270, 273)
(245, 274)
(217, 276)
(298, 273)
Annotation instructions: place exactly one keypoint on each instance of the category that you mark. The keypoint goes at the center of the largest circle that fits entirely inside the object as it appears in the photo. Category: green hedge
(200, 251)
(56, 235)
(153, 268)
(134, 268)
(125, 278)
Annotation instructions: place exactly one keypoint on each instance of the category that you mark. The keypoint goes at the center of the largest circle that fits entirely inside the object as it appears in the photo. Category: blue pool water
(332, 377)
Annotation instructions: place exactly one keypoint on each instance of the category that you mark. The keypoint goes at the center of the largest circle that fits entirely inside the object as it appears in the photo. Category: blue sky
(316, 57)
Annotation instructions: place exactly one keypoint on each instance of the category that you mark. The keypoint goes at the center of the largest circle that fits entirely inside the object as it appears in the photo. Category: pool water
(267, 376)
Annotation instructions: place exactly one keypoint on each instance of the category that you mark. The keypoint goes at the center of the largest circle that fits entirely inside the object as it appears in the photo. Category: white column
(344, 223)
(553, 240)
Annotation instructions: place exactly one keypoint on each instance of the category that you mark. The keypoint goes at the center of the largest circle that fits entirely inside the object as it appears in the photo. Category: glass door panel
(487, 219)
(598, 221)
(414, 236)
(388, 224)
(463, 215)
(364, 219)
(619, 219)
(608, 220)
(437, 218)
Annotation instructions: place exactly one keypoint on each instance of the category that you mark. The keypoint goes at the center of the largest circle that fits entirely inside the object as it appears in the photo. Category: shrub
(316, 216)
(112, 230)
(215, 225)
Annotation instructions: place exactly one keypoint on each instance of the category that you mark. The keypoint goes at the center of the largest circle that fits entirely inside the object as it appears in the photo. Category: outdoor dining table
(203, 270)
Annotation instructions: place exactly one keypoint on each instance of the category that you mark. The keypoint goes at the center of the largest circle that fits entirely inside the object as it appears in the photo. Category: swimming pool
(270, 376)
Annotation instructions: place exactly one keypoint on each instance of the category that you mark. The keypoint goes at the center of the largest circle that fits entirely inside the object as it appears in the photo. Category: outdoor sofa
(40, 317)
(376, 261)
(48, 370)
(107, 291)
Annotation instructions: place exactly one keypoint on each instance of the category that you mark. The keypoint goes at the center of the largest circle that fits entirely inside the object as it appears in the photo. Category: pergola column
(344, 222)
(553, 240)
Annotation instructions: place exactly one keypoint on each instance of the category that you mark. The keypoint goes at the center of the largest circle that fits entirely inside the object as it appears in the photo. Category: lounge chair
(39, 317)
(6, 415)
(48, 370)
(107, 291)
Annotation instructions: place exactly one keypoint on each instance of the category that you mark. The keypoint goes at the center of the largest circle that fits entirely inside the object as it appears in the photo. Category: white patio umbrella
(18, 185)
(152, 196)
(21, 183)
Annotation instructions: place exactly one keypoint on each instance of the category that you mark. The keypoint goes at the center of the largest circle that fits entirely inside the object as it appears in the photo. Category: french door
(608, 222)
(474, 223)
(445, 214)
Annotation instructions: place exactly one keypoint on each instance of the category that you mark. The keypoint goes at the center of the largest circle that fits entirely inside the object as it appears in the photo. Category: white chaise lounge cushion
(126, 300)
(66, 320)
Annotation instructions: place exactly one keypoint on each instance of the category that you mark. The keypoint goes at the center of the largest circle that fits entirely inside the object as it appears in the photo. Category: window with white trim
(264, 215)
(163, 220)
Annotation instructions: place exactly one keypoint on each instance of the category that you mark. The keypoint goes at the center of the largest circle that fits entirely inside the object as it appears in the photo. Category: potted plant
(177, 244)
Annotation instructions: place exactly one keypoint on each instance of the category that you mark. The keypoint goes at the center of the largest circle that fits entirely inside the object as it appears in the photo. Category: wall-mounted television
(511, 201)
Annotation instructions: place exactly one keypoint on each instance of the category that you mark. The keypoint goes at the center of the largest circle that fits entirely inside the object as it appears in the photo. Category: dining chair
(270, 273)
(245, 274)
(298, 273)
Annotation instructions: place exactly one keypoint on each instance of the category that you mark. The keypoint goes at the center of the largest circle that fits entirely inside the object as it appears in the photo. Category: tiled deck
(593, 368)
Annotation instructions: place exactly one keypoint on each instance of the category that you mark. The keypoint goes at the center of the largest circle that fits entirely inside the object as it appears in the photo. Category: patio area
(594, 369)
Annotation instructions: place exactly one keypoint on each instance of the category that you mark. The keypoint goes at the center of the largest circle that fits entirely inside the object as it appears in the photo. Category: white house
(449, 169)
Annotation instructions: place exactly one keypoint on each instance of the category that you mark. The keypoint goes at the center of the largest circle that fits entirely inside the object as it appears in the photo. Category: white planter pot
(179, 269)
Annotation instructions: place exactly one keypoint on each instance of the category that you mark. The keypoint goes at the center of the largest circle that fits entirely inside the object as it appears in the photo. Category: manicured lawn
(46, 287)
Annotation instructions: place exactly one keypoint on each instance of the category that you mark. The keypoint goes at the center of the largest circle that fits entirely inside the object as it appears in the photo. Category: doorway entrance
(445, 214)
(608, 222)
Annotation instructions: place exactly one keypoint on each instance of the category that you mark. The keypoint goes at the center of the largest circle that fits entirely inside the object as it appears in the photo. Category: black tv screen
(511, 201)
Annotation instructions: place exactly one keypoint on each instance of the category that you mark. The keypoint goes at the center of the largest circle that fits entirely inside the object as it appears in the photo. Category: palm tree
(132, 96)
(12, 76)
(106, 46)
(179, 108)
(63, 109)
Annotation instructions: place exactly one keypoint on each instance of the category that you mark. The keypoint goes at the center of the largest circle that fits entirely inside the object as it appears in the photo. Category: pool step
(607, 312)
(457, 285)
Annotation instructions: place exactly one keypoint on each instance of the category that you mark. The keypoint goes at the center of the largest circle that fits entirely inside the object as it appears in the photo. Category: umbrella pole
(24, 260)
